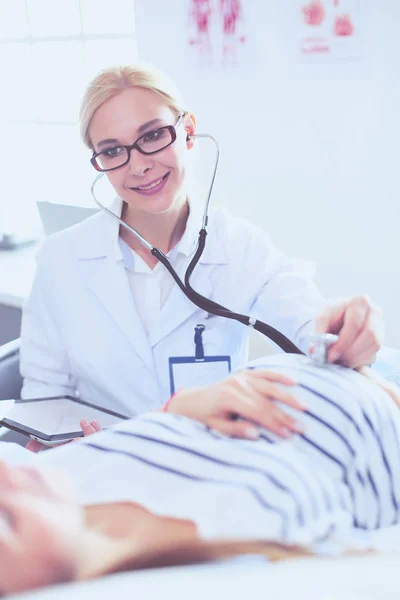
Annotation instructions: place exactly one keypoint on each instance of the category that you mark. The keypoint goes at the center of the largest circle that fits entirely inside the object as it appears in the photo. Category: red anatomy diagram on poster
(329, 26)
(200, 13)
(343, 25)
(216, 28)
(314, 13)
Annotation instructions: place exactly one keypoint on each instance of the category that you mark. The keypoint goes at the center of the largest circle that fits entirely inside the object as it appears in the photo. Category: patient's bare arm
(387, 386)
(149, 541)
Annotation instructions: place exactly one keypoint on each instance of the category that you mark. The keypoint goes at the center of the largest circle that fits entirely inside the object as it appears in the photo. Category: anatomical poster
(330, 29)
(217, 32)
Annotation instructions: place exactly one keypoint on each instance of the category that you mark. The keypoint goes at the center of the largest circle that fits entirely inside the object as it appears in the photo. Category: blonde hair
(112, 81)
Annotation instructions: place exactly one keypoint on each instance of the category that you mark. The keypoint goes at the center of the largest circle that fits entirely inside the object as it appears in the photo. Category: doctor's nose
(139, 163)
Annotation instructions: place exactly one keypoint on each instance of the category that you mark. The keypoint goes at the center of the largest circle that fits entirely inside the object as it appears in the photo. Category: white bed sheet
(348, 578)
(387, 539)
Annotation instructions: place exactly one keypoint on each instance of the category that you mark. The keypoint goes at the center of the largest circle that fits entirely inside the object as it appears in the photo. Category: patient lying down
(165, 489)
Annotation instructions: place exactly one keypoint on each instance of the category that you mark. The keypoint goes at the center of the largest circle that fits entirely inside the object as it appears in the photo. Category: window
(49, 50)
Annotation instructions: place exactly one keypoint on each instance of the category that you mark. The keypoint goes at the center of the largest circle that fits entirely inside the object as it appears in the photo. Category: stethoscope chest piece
(321, 344)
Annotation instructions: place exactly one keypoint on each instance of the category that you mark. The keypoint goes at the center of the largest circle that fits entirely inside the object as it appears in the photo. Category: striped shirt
(342, 472)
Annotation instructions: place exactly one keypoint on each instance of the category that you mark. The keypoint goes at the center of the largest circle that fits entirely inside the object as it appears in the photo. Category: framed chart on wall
(329, 30)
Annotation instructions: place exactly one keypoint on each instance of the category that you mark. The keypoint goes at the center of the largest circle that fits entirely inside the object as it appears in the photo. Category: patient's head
(40, 525)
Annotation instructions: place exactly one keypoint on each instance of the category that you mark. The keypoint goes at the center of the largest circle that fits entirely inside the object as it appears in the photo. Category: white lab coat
(81, 332)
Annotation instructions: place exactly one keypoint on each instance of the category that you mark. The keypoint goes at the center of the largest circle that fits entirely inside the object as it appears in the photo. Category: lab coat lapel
(111, 287)
(107, 279)
(178, 308)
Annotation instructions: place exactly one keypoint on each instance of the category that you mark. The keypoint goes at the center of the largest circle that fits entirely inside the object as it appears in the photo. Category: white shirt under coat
(150, 287)
(82, 331)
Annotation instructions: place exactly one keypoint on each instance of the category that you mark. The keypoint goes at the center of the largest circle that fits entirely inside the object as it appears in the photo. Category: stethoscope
(201, 301)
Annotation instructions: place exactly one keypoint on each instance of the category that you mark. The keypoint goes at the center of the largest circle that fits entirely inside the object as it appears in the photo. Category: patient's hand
(87, 428)
(250, 395)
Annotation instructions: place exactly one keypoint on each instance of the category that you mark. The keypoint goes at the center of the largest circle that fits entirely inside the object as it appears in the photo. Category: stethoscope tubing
(198, 299)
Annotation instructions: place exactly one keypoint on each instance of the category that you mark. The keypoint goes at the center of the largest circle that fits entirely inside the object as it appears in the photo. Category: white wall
(310, 152)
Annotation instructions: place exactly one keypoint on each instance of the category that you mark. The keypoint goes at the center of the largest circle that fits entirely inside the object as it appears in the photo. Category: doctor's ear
(190, 128)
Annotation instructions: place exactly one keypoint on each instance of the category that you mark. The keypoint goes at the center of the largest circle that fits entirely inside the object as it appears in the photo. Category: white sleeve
(13, 454)
(288, 299)
(44, 362)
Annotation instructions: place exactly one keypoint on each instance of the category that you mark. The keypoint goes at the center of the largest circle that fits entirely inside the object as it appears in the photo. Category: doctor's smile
(154, 187)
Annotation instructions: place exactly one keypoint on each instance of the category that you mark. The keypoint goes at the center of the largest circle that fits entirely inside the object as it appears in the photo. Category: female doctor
(104, 317)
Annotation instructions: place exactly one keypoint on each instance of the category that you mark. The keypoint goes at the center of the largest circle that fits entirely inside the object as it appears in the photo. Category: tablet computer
(53, 420)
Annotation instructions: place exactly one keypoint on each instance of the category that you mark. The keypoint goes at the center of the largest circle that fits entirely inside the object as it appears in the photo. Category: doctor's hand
(250, 395)
(359, 325)
(87, 429)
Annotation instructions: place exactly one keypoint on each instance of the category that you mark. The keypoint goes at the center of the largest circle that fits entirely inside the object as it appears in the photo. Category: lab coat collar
(101, 234)
(214, 252)
(106, 241)
(186, 245)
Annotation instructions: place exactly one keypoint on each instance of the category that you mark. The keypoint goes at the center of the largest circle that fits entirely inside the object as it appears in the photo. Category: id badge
(199, 370)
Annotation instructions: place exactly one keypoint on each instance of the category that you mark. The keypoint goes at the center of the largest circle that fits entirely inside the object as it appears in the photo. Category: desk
(17, 269)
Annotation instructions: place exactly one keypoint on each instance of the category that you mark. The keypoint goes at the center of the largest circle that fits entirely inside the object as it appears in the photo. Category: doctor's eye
(155, 135)
(113, 152)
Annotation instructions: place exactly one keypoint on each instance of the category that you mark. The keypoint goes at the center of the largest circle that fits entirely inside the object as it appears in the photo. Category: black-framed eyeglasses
(151, 142)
